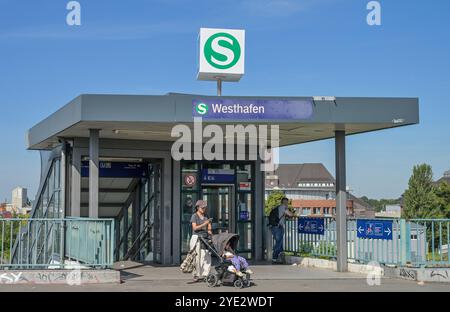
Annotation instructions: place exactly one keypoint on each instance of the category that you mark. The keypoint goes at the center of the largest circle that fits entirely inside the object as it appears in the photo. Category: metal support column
(75, 184)
(341, 202)
(93, 172)
(219, 87)
(259, 222)
(62, 182)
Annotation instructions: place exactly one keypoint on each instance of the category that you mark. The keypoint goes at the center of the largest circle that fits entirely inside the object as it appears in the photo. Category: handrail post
(62, 236)
(405, 242)
(269, 240)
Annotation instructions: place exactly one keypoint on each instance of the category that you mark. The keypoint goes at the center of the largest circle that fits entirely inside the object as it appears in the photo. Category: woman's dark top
(199, 221)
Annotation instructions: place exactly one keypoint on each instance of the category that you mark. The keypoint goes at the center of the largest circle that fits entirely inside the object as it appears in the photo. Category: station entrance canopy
(111, 156)
(149, 117)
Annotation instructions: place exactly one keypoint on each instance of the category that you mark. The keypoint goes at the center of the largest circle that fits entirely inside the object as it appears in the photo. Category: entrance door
(143, 241)
(220, 200)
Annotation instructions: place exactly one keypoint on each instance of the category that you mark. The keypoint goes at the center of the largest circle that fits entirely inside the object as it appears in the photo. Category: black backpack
(274, 220)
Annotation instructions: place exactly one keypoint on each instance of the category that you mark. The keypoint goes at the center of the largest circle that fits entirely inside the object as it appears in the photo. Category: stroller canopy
(221, 240)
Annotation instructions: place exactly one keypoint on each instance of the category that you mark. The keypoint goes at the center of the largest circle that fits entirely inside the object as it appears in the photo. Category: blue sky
(303, 47)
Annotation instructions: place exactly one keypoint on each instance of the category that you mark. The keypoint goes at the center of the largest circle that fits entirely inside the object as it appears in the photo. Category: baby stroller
(221, 275)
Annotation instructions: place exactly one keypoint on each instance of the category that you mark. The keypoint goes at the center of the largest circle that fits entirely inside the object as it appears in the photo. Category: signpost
(311, 226)
(221, 55)
(374, 229)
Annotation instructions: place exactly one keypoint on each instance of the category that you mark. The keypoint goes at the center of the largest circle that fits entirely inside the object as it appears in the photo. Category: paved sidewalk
(267, 278)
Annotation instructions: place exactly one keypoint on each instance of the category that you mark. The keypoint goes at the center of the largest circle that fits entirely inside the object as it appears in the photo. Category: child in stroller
(231, 270)
(239, 265)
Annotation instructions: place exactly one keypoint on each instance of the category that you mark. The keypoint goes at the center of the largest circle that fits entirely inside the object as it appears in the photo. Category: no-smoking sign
(189, 180)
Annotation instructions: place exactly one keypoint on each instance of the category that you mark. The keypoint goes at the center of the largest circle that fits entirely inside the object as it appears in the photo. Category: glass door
(220, 207)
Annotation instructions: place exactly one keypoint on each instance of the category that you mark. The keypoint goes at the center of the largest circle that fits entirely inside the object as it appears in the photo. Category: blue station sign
(374, 229)
(244, 215)
(218, 176)
(311, 226)
(109, 169)
(219, 108)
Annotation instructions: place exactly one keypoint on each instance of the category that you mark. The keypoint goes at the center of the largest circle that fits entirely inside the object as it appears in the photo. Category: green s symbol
(222, 50)
(201, 108)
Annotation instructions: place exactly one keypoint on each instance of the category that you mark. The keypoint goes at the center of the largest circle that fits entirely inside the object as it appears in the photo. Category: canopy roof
(151, 117)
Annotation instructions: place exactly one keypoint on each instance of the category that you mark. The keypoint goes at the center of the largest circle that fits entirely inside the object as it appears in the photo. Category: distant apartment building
(19, 197)
(20, 203)
(311, 188)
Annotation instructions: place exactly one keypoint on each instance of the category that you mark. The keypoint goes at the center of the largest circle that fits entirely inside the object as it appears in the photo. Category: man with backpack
(276, 222)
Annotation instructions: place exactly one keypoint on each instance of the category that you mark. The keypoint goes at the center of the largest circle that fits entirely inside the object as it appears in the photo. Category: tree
(274, 200)
(420, 199)
(443, 194)
(379, 205)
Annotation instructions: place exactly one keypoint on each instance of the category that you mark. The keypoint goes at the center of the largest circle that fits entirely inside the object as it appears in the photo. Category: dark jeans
(277, 233)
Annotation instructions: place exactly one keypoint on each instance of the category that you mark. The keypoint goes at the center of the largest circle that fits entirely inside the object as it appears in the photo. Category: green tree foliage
(10, 230)
(274, 200)
(379, 205)
(420, 199)
(443, 194)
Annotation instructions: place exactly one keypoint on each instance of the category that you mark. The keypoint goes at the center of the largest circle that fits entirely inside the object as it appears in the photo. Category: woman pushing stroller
(201, 227)
(231, 269)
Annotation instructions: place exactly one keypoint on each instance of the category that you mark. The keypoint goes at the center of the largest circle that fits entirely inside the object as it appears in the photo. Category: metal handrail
(417, 242)
(143, 233)
(50, 242)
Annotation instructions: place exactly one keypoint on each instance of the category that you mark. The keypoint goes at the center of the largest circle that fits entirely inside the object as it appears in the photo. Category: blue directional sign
(374, 229)
(109, 169)
(311, 226)
(218, 176)
(243, 215)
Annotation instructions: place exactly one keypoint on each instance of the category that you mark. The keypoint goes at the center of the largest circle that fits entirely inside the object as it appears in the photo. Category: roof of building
(289, 175)
(313, 203)
(445, 178)
(358, 201)
(152, 117)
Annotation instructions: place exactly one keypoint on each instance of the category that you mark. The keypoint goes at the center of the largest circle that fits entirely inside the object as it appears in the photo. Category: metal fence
(310, 244)
(417, 242)
(56, 243)
(430, 238)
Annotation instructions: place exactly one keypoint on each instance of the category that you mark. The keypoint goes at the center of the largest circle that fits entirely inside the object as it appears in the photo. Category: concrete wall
(66, 277)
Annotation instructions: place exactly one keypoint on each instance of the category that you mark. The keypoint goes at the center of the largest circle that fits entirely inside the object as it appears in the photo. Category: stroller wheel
(212, 280)
(238, 283)
(247, 282)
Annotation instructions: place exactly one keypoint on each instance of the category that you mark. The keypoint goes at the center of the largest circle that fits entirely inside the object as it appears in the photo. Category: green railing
(322, 246)
(56, 243)
(434, 237)
(416, 242)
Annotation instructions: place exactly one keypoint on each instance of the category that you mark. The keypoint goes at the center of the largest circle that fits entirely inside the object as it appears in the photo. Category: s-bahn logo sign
(221, 54)
(201, 108)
